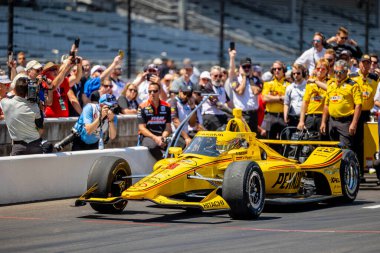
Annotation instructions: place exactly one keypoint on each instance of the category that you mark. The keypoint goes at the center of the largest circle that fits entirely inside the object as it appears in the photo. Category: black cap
(245, 61)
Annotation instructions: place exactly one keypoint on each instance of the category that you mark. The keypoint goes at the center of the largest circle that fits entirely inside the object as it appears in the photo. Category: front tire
(108, 172)
(244, 190)
(350, 176)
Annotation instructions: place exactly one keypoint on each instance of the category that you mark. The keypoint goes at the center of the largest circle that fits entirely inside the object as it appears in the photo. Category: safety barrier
(50, 176)
(58, 128)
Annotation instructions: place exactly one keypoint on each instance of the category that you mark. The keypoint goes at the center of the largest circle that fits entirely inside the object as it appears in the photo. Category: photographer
(23, 119)
(94, 122)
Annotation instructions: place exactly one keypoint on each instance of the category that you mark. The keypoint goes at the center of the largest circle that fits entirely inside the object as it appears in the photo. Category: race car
(231, 170)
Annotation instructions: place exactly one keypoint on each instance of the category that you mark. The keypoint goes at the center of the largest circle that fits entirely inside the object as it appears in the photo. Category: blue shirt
(91, 85)
(87, 117)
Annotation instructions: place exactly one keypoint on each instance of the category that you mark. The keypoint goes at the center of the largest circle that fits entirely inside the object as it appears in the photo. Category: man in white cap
(98, 74)
(5, 84)
(33, 70)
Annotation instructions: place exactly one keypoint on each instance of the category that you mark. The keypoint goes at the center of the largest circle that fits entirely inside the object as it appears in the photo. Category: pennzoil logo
(330, 171)
(317, 98)
(214, 204)
(335, 99)
(289, 180)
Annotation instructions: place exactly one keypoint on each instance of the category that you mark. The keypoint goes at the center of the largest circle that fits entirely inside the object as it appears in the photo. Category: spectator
(213, 116)
(294, 95)
(5, 84)
(95, 122)
(74, 94)
(368, 85)
(181, 107)
(128, 99)
(346, 56)
(166, 83)
(245, 89)
(330, 57)
(79, 88)
(118, 84)
(105, 88)
(194, 77)
(273, 95)
(375, 65)
(154, 121)
(185, 79)
(342, 105)
(314, 98)
(58, 106)
(341, 42)
(150, 72)
(98, 74)
(24, 121)
(21, 59)
(310, 57)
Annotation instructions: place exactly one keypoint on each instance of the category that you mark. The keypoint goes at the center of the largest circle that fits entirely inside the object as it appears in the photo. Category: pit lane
(57, 226)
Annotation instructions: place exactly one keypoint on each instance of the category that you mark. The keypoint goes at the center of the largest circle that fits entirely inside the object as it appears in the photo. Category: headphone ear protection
(324, 43)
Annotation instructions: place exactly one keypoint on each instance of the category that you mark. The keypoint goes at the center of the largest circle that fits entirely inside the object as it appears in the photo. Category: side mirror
(175, 151)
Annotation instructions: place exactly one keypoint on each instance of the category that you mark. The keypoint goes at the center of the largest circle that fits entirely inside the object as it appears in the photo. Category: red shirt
(55, 110)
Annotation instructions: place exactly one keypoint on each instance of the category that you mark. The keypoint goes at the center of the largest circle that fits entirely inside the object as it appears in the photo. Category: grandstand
(263, 30)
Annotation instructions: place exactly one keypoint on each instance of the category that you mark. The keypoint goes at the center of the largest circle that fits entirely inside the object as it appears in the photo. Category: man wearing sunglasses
(245, 89)
(312, 55)
(154, 121)
(180, 109)
(343, 105)
(341, 42)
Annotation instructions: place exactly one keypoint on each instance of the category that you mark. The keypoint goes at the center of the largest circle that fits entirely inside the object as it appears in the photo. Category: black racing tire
(105, 171)
(244, 190)
(349, 176)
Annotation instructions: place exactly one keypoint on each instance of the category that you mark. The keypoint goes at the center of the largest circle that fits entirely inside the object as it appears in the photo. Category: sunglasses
(329, 59)
(296, 73)
(132, 90)
(374, 62)
(220, 76)
(188, 94)
(317, 41)
(320, 69)
(274, 69)
(107, 86)
(246, 67)
(339, 72)
(343, 38)
(152, 91)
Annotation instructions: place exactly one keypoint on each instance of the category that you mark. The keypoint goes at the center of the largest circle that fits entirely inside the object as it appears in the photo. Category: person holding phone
(245, 88)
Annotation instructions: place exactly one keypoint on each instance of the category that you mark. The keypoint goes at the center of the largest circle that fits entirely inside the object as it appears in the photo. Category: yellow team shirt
(275, 88)
(342, 99)
(315, 97)
(368, 86)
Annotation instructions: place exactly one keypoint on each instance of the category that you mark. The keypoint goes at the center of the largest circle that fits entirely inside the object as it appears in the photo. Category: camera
(148, 76)
(115, 109)
(33, 89)
(67, 140)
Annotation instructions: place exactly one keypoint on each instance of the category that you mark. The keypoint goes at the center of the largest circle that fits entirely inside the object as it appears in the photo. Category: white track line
(372, 207)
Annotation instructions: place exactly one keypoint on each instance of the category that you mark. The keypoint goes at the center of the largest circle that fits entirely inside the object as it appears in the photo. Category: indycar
(229, 170)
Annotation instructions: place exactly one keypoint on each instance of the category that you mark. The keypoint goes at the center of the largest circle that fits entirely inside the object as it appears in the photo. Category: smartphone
(121, 53)
(76, 42)
(10, 57)
(232, 45)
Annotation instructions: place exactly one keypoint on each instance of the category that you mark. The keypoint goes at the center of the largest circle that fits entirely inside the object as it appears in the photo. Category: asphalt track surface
(57, 226)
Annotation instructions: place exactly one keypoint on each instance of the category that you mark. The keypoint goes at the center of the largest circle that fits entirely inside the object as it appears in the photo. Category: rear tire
(244, 190)
(107, 173)
(349, 176)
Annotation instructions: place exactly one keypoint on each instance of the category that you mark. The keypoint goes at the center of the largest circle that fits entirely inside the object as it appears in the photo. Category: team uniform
(155, 120)
(274, 115)
(341, 101)
(368, 86)
(315, 98)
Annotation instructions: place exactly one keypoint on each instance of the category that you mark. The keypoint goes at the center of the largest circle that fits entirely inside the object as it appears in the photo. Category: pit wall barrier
(58, 128)
(60, 175)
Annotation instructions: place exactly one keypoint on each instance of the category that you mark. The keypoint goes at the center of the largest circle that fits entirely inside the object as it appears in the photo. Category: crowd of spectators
(330, 88)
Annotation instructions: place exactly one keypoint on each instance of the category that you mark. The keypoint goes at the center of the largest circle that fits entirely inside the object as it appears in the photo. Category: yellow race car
(231, 170)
